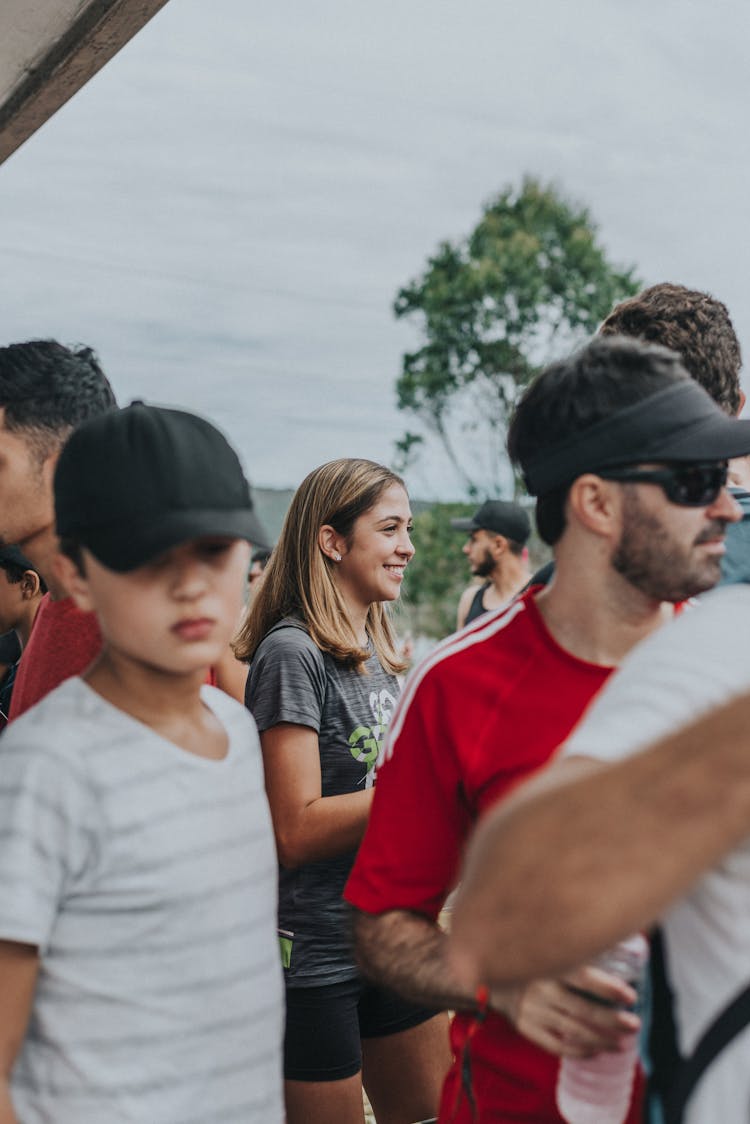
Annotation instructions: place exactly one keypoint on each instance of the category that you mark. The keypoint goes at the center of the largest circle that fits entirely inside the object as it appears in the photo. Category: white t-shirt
(697, 662)
(146, 875)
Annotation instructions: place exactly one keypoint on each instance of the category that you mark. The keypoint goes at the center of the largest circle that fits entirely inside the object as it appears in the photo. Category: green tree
(527, 285)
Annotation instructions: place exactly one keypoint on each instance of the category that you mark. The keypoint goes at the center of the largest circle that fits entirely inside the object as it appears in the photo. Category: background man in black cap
(627, 456)
(498, 532)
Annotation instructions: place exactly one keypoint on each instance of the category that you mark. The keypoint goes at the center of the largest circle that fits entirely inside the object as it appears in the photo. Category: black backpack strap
(663, 1051)
(726, 1026)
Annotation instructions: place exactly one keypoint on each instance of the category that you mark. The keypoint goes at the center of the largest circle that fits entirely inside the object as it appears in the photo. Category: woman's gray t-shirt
(291, 680)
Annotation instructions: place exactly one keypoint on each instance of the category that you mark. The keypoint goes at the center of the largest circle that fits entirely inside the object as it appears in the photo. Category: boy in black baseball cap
(134, 482)
(138, 873)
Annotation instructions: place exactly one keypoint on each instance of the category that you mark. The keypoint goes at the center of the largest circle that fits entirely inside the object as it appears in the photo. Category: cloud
(228, 209)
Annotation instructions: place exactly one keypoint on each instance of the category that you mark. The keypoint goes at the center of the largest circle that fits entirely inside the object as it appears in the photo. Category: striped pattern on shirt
(146, 875)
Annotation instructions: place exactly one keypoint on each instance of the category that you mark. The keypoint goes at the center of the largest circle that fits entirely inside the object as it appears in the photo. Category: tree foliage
(529, 283)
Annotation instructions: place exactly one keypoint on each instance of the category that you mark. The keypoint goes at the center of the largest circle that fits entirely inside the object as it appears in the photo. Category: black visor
(681, 423)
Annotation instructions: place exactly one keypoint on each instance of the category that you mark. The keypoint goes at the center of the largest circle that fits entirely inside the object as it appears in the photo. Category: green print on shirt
(366, 742)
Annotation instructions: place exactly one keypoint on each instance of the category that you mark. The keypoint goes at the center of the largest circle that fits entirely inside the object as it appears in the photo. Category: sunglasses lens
(698, 485)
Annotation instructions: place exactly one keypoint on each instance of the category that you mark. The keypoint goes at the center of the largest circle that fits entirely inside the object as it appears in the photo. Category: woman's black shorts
(324, 1026)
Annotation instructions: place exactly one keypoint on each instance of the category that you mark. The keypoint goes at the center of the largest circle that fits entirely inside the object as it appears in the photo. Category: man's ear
(595, 504)
(30, 585)
(73, 581)
(499, 545)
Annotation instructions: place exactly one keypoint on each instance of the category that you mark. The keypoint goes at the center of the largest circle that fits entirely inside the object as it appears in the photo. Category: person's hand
(555, 1015)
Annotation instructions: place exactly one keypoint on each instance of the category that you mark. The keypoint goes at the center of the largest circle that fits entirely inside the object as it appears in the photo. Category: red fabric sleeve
(64, 641)
(411, 852)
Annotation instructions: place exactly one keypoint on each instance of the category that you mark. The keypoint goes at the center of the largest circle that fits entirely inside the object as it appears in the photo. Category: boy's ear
(72, 581)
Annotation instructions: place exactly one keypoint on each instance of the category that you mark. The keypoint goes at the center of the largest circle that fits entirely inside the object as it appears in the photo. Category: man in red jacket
(46, 389)
(627, 456)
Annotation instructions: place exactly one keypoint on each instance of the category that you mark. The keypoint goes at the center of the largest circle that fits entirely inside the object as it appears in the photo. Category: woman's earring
(337, 557)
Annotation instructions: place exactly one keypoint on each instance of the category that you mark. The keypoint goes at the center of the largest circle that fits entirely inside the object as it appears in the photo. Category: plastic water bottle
(597, 1090)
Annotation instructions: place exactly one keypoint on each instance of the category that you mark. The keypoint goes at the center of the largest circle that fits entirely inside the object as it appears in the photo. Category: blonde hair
(298, 580)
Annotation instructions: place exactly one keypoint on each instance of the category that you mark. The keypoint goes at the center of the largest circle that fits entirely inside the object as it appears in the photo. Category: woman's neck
(358, 618)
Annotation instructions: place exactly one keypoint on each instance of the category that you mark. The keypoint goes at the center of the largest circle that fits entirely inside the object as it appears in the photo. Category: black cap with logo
(501, 516)
(132, 483)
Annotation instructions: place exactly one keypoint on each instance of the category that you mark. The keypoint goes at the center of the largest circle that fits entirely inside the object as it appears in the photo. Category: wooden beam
(96, 35)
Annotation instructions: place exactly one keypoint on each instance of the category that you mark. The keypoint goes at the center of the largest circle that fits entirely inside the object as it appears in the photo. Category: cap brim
(716, 438)
(464, 525)
(130, 545)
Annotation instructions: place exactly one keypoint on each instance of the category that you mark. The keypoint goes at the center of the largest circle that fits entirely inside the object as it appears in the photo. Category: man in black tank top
(495, 548)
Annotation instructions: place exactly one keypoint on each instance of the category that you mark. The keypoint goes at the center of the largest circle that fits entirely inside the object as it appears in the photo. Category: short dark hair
(48, 389)
(695, 325)
(606, 376)
(14, 573)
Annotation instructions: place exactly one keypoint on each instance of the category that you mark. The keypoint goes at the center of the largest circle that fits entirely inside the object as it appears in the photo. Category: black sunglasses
(689, 485)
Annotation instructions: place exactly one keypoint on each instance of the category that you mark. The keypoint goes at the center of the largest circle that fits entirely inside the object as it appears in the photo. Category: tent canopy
(50, 48)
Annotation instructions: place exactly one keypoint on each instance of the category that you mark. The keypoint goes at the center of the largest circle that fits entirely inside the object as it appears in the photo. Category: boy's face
(178, 612)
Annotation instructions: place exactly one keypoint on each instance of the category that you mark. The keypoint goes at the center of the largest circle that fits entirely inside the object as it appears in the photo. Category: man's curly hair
(695, 325)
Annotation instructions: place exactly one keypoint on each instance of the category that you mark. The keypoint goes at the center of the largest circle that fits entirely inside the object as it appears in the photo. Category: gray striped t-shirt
(146, 875)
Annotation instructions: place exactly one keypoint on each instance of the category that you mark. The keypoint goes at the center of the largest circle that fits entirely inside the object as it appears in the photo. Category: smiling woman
(322, 687)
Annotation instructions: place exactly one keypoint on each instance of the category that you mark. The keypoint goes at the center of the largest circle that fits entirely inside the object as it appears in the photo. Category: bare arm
(464, 604)
(595, 852)
(308, 826)
(231, 675)
(19, 964)
(409, 953)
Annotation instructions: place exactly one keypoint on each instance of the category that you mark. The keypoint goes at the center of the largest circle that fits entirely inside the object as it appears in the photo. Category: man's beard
(484, 568)
(650, 558)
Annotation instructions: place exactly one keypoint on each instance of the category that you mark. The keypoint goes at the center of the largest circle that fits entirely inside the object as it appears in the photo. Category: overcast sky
(227, 210)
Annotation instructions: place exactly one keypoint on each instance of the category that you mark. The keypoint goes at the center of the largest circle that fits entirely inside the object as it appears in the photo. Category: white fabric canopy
(50, 48)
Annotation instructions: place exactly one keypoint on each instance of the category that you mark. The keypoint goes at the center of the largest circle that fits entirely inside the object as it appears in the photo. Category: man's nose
(725, 507)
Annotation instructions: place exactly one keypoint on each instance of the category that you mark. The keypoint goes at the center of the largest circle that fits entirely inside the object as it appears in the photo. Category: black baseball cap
(132, 483)
(500, 516)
